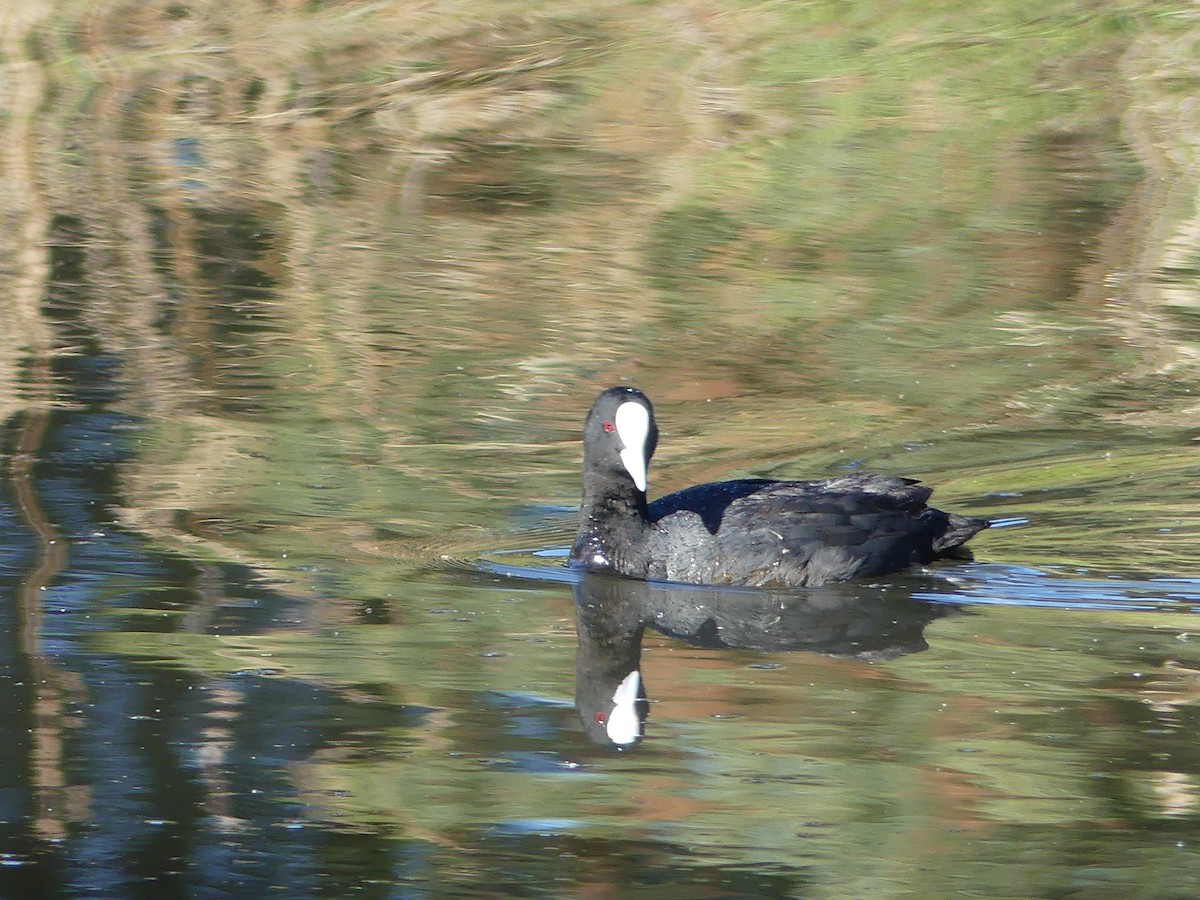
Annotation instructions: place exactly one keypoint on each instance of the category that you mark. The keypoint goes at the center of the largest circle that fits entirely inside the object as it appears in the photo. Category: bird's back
(796, 533)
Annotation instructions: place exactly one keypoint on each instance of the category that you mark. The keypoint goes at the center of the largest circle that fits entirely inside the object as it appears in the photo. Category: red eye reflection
(601, 718)
(609, 427)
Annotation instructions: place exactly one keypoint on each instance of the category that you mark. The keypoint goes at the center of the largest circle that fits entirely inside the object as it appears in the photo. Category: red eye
(609, 427)
(601, 718)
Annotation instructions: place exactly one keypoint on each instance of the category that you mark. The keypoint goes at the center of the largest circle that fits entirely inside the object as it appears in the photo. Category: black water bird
(755, 532)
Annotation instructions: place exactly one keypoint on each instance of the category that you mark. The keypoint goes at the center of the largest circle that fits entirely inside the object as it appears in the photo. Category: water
(303, 312)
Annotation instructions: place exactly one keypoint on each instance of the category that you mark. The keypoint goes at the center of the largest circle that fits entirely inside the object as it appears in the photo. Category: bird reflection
(848, 620)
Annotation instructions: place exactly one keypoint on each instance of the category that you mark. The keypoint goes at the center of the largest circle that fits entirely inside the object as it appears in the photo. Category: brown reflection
(26, 384)
(23, 260)
(212, 755)
(428, 230)
(1153, 288)
(54, 804)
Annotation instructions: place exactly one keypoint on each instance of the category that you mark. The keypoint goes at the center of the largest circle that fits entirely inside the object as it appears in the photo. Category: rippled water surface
(304, 305)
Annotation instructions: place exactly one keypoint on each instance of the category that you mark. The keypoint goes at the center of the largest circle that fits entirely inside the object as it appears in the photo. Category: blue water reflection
(127, 769)
(962, 584)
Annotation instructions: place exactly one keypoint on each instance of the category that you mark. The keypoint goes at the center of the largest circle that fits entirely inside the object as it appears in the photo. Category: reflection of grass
(1018, 719)
(373, 260)
(368, 262)
(1119, 511)
(685, 246)
(868, 222)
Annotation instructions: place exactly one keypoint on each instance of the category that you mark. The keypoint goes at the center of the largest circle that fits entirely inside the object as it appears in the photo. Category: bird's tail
(959, 530)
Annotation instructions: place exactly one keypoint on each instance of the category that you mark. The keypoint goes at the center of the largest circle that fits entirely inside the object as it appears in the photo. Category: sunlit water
(214, 730)
(308, 308)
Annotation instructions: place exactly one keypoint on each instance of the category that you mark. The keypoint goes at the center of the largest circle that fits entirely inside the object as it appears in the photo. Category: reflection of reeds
(48, 689)
(379, 231)
(26, 384)
(23, 261)
(1163, 125)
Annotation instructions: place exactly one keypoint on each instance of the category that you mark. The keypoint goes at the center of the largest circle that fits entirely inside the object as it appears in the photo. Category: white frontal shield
(633, 427)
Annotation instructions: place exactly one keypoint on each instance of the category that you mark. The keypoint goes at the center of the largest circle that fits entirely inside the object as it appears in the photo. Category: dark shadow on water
(869, 621)
(861, 621)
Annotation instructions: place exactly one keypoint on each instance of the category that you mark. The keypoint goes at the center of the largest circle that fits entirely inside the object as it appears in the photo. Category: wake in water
(966, 584)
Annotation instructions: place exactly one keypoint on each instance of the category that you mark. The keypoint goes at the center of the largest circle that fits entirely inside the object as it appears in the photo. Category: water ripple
(969, 584)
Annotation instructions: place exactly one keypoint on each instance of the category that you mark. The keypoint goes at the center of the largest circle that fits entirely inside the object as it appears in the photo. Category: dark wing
(709, 501)
(802, 532)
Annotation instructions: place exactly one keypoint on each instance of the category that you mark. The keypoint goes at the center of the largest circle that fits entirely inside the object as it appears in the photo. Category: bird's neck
(612, 529)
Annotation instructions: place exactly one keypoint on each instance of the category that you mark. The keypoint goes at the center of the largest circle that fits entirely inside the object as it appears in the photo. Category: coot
(751, 531)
